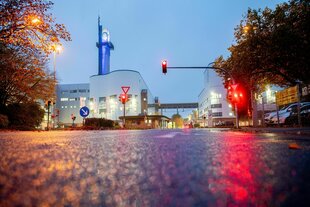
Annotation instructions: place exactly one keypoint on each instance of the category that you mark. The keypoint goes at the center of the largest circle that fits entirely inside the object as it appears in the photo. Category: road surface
(191, 167)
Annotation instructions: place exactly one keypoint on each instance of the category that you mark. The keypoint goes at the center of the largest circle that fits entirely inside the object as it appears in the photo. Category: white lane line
(169, 135)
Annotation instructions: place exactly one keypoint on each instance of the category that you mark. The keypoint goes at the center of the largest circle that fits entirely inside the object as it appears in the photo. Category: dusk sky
(144, 32)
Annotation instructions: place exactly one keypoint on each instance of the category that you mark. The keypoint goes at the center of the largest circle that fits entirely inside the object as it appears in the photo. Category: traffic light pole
(213, 68)
(124, 113)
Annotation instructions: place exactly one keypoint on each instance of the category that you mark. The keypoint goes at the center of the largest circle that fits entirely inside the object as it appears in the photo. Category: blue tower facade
(104, 47)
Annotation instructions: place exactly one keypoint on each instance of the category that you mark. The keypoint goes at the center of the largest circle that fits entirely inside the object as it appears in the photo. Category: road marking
(169, 135)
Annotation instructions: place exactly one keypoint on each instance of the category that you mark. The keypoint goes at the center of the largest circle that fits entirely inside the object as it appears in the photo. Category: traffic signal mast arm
(164, 65)
(207, 67)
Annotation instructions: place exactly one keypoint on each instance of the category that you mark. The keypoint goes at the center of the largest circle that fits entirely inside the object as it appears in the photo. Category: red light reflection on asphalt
(239, 169)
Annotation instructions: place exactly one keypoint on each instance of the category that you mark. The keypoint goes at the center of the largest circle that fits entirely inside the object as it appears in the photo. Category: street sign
(287, 96)
(125, 89)
(84, 111)
(234, 86)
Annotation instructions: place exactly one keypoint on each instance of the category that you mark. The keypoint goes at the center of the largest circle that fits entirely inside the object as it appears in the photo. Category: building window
(215, 106)
(217, 114)
(72, 99)
(102, 99)
(66, 107)
(64, 91)
(102, 111)
(64, 99)
(73, 91)
(82, 91)
(62, 107)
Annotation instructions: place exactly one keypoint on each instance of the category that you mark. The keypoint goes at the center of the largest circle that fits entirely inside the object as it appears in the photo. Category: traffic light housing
(164, 66)
(123, 98)
(235, 94)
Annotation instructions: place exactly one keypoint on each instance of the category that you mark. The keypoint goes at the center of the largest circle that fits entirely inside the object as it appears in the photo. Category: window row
(71, 107)
(74, 99)
(75, 91)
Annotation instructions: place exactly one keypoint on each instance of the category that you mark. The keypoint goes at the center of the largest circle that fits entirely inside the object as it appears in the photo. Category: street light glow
(58, 48)
(35, 20)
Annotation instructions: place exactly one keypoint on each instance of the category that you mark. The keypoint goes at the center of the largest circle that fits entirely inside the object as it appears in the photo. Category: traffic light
(235, 94)
(164, 66)
(123, 98)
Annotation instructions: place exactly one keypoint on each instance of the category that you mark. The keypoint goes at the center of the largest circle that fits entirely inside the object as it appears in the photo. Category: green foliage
(4, 121)
(178, 120)
(99, 123)
(25, 116)
(271, 47)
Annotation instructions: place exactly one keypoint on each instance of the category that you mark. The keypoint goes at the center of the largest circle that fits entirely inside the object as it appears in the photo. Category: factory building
(101, 94)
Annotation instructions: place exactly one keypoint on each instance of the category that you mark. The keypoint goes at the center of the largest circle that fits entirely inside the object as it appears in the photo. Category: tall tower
(104, 46)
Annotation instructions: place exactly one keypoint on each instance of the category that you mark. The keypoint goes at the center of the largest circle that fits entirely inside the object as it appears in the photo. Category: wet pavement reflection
(152, 168)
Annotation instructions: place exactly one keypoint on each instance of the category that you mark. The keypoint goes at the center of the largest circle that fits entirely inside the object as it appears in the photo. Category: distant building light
(64, 99)
(229, 105)
(230, 114)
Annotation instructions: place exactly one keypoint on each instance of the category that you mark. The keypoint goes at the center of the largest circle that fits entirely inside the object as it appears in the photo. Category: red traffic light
(164, 66)
(235, 94)
(123, 98)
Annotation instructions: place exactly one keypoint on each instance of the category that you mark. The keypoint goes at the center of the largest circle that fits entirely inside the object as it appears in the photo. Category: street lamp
(56, 48)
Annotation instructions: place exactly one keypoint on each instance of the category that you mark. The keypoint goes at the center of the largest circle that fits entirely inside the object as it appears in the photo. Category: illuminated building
(101, 94)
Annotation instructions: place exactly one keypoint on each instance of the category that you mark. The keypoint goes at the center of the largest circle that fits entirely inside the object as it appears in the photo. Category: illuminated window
(64, 99)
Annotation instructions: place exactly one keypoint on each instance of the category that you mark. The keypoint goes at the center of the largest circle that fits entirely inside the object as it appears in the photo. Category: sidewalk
(283, 130)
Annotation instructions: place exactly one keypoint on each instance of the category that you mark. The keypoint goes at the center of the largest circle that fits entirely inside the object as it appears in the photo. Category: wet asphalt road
(195, 167)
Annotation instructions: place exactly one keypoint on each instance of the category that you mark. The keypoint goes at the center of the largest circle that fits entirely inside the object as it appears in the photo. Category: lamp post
(56, 50)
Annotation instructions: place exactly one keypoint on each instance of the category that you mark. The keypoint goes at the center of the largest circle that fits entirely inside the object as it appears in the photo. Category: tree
(25, 116)
(23, 77)
(272, 46)
(26, 23)
(28, 33)
(177, 119)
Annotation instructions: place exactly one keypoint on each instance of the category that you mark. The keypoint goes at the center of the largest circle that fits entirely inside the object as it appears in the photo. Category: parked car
(271, 118)
(304, 115)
